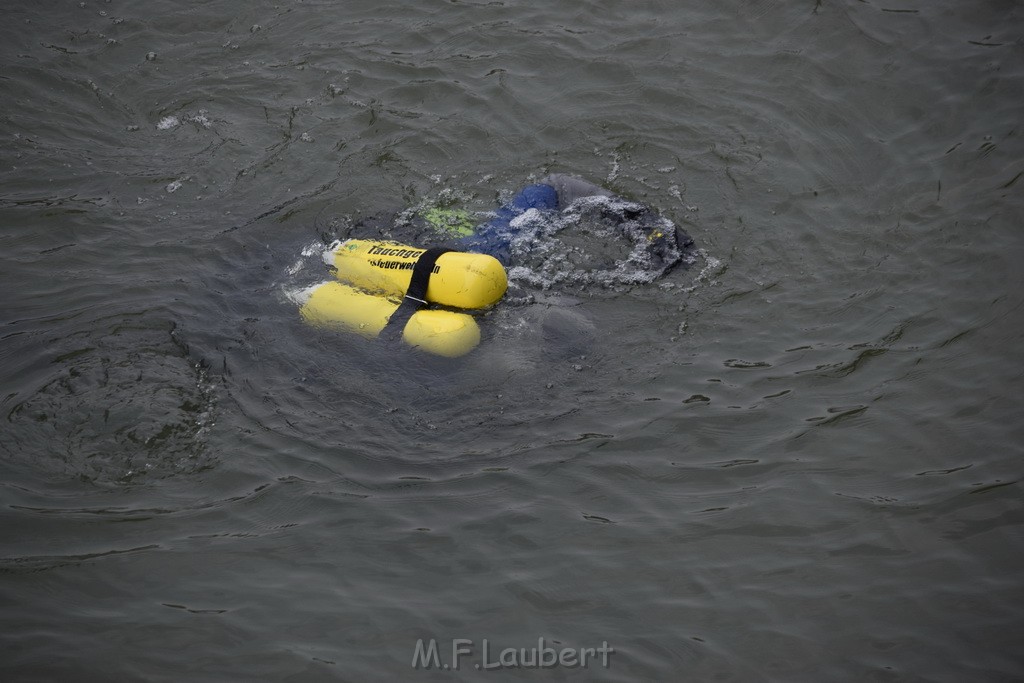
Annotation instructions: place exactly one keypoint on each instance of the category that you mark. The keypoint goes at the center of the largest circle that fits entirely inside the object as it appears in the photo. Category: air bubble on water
(306, 137)
(712, 266)
(168, 122)
(526, 219)
(204, 420)
(603, 241)
(312, 249)
(199, 118)
(614, 172)
(300, 295)
(328, 254)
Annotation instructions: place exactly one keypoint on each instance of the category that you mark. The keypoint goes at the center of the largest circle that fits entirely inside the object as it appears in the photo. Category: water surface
(799, 460)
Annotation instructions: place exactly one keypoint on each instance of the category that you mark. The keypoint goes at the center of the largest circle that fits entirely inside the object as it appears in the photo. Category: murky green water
(799, 460)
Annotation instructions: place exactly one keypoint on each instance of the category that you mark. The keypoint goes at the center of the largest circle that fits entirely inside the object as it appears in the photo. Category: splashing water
(597, 241)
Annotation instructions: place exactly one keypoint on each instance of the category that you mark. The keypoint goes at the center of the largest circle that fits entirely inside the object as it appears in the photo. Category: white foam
(525, 219)
(300, 295)
(614, 172)
(712, 267)
(598, 240)
(168, 122)
(328, 254)
(199, 118)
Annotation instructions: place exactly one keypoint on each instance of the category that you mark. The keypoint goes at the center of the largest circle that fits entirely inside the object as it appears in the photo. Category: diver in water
(663, 245)
(560, 230)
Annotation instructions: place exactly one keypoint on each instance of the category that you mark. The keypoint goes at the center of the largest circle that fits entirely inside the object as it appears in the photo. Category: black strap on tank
(415, 296)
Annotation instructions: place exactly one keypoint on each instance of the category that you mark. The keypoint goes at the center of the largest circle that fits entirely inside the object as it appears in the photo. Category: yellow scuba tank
(459, 279)
(332, 304)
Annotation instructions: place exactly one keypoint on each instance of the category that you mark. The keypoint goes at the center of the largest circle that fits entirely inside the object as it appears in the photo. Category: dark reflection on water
(797, 460)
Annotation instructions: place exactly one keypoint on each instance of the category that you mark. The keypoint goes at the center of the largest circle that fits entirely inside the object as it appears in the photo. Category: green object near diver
(452, 221)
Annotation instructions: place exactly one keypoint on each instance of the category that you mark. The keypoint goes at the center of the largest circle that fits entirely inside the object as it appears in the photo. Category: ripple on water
(124, 404)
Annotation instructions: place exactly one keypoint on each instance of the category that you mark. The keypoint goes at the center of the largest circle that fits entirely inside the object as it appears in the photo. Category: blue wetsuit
(495, 236)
